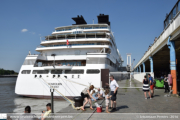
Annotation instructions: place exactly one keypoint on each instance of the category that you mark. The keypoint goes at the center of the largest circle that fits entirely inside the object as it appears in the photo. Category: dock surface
(130, 101)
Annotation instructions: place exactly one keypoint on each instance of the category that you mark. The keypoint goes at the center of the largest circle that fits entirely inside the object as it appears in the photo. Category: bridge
(163, 56)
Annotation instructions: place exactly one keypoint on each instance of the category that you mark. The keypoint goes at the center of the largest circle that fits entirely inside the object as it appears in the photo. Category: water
(12, 103)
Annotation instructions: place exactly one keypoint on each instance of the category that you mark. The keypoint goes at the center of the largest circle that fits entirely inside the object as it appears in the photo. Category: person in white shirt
(101, 94)
(114, 87)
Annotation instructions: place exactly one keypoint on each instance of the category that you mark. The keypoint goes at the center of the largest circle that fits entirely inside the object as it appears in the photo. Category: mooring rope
(80, 83)
(51, 87)
(67, 99)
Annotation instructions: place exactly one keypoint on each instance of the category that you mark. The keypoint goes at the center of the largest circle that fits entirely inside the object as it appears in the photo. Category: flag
(67, 42)
(133, 59)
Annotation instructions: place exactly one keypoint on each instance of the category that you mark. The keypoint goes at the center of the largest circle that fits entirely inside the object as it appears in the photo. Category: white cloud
(24, 30)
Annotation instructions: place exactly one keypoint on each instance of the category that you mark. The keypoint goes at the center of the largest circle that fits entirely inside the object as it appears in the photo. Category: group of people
(146, 84)
(88, 96)
(29, 116)
(151, 82)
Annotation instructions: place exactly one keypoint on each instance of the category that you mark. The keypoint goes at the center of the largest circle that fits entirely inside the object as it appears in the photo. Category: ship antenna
(93, 21)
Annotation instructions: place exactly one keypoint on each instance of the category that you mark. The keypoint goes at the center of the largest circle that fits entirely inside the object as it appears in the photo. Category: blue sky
(135, 24)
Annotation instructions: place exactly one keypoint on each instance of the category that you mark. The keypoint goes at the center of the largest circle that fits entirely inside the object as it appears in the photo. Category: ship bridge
(163, 56)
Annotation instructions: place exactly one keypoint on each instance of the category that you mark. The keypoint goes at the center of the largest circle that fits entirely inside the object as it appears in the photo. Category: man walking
(114, 87)
(151, 81)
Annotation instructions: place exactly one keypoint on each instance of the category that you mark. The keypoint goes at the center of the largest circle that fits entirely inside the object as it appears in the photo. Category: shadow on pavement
(120, 107)
(120, 93)
(156, 95)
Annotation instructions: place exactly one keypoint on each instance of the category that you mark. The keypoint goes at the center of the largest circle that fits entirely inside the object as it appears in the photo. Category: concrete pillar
(151, 64)
(144, 67)
(139, 68)
(171, 46)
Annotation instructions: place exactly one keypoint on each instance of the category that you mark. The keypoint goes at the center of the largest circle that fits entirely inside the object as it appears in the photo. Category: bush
(7, 72)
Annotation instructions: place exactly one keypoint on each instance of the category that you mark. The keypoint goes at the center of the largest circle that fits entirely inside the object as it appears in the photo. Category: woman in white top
(114, 87)
(85, 94)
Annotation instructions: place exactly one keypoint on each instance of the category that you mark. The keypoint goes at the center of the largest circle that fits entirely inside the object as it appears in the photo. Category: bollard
(78, 101)
(52, 100)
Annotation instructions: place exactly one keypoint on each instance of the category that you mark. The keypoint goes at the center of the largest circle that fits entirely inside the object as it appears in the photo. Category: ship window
(88, 27)
(93, 71)
(56, 71)
(40, 71)
(72, 76)
(74, 71)
(26, 72)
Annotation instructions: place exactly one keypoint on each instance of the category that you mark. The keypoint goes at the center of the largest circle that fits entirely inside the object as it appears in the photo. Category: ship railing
(84, 44)
(73, 38)
(59, 65)
(81, 28)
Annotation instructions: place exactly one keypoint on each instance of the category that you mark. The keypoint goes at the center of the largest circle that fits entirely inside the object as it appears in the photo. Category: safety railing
(60, 64)
(81, 28)
(74, 45)
(72, 38)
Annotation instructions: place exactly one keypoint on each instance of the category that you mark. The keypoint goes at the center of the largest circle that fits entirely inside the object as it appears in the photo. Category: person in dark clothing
(166, 84)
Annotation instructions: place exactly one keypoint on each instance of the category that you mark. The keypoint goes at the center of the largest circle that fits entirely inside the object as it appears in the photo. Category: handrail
(81, 28)
(73, 45)
(97, 37)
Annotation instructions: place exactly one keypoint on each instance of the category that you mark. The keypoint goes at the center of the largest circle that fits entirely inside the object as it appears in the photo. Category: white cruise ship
(69, 59)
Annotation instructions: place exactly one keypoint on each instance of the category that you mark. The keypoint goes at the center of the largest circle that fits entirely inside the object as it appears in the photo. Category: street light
(52, 90)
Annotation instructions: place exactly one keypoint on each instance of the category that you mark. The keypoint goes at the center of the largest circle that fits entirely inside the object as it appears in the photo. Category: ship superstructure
(78, 53)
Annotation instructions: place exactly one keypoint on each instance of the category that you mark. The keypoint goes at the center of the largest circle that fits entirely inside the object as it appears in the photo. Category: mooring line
(95, 110)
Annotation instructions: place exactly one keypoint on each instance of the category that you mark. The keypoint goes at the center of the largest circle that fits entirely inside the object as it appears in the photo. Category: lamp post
(52, 99)
(52, 90)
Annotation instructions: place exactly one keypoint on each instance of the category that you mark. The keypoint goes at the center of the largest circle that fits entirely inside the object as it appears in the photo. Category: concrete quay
(131, 104)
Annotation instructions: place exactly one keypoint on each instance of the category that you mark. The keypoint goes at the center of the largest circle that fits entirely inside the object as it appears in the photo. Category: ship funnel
(103, 19)
(79, 20)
